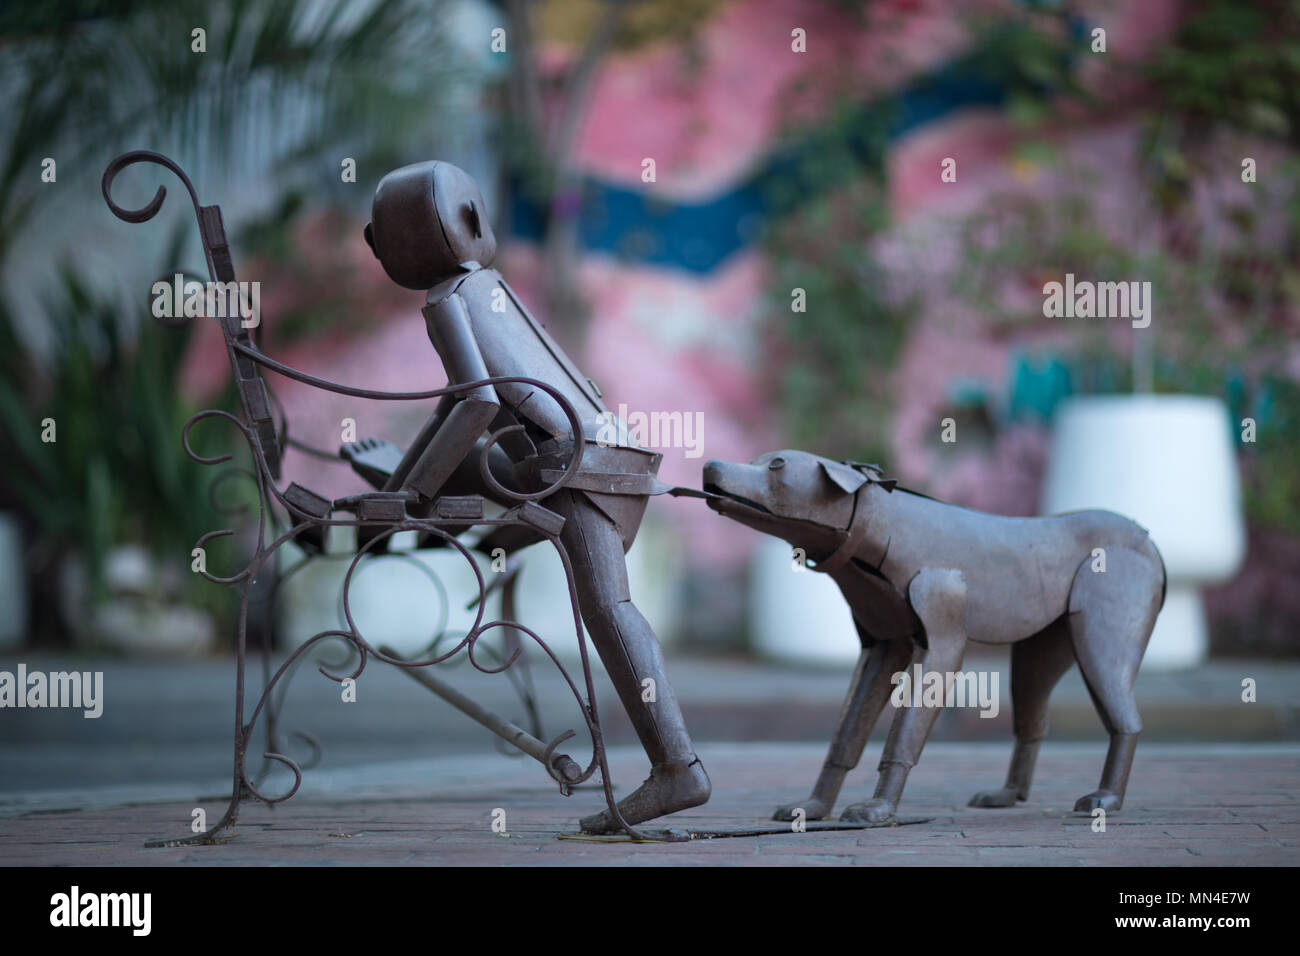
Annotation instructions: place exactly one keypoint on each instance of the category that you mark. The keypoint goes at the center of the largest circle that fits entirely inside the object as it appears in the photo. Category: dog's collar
(848, 546)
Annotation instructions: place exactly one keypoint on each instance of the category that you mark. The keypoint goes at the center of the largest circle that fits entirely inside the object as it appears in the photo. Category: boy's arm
(449, 436)
(430, 428)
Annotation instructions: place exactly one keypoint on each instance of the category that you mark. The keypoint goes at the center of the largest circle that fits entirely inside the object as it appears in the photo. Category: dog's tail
(1145, 545)
(1121, 531)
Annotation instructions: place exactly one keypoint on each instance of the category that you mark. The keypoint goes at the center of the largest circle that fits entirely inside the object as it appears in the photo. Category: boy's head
(425, 221)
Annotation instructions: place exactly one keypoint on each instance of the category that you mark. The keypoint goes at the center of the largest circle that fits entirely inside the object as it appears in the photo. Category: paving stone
(438, 812)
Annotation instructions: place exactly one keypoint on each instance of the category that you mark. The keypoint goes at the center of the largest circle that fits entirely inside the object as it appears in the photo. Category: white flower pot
(395, 603)
(136, 616)
(1167, 462)
(797, 616)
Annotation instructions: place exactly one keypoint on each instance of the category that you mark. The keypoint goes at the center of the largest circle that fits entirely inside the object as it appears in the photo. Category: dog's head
(790, 494)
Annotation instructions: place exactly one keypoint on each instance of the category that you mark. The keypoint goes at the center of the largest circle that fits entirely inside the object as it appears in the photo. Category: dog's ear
(873, 474)
(847, 479)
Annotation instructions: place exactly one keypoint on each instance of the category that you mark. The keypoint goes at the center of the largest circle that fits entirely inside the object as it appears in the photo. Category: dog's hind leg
(938, 596)
(1037, 663)
(868, 692)
(1111, 616)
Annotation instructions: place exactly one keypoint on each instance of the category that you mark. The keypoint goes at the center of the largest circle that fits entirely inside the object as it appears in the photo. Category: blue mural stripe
(697, 237)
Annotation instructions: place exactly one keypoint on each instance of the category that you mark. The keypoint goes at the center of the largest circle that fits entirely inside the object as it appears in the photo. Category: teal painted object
(1036, 387)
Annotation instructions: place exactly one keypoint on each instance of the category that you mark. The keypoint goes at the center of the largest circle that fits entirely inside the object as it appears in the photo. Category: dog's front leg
(938, 596)
(866, 699)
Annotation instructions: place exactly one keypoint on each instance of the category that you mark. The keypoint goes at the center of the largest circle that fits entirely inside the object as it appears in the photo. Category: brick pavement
(1188, 805)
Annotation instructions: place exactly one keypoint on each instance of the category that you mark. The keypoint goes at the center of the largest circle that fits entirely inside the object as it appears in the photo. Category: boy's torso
(513, 343)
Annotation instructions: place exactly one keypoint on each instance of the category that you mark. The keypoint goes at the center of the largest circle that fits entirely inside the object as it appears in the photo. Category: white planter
(797, 616)
(1167, 462)
(394, 602)
(136, 616)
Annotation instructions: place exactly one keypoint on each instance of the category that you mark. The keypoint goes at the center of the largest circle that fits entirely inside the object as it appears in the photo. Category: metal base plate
(684, 835)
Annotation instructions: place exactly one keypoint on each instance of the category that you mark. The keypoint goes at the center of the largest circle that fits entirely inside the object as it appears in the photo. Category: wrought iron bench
(297, 514)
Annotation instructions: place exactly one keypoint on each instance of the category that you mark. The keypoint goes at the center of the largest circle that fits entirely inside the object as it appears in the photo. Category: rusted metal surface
(923, 577)
(429, 230)
(691, 834)
(297, 514)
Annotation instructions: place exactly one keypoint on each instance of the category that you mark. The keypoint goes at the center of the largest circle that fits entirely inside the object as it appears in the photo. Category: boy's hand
(374, 459)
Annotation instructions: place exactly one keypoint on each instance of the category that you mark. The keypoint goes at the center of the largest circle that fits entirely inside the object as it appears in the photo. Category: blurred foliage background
(285, 89)
(281, 91)
(1227, 76)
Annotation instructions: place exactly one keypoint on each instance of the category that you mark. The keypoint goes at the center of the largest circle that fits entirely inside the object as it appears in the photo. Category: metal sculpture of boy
(430, 231)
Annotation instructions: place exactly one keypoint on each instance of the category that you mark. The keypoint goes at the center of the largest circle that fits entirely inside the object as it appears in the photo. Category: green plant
(273, 95)
(1233, 70)
(833, 363)
(95, 455)
(1233, 64)
(835, 391)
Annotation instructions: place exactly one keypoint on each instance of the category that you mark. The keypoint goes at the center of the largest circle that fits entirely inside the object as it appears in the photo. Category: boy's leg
(467, 479)
(634, 660)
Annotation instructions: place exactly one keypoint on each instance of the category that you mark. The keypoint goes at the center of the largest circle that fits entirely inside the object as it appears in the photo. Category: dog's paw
(875, 810)
(1104, 799)
(1006, 797)
(812, 808)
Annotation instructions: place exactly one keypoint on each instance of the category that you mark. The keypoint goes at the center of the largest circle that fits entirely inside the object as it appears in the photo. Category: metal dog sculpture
(923, 577)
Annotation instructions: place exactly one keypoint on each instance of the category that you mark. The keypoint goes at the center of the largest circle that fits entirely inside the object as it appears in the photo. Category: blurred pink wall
(664, 340)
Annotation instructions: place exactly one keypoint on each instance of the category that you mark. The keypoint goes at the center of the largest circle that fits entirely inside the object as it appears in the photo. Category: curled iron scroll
(350, 635)
(150, 209)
